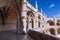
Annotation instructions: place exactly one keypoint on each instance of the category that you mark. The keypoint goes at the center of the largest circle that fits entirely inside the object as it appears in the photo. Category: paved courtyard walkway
(8, 35)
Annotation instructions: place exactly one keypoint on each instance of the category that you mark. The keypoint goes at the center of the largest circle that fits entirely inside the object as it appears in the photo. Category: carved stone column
(41, 23)
(36, 20)
(18, 7)
(29, 23)
(24, 15)
(19, 26)
(34, 24)
(56, 31)
(48, 32)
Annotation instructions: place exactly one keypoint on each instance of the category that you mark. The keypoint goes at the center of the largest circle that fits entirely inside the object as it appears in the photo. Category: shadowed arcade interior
(58, 22)
(58, 30)
(51, 23)
(8, 19)
(52, 31)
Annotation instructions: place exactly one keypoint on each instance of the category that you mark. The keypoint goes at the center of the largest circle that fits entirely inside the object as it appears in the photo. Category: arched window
(31, 15)
(58, 30)
(52, 31)
(51, 23)
(58, 22)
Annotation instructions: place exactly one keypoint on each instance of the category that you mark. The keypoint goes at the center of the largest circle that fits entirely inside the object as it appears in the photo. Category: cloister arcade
(23, 16)
(17, 17)
(30, 19)
(8, 19)
(53, 27)
(51, 23)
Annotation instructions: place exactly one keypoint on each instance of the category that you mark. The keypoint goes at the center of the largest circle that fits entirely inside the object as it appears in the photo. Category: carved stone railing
(40, 36)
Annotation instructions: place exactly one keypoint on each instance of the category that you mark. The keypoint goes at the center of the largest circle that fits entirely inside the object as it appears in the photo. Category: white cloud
(52, 5)
(58, 15)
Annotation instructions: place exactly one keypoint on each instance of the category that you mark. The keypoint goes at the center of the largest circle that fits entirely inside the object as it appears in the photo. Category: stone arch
(4, 12)
(16, 5)
(30, 19)
(39, 19)
(58, 22)
(12, 21)
(9, 18)
(51, 23)
(52, 31)
(30, 13)
(58, 30)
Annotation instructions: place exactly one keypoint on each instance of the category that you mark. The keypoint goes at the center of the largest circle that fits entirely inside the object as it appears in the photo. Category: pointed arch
(4, 13)
(58, 22)
(30, 13)
(30, 16)
(51, 23)
(52, 31)
(9, 18)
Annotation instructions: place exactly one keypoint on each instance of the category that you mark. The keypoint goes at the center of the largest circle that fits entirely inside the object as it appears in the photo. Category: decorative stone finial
(36, 5)
(54, 16)
(41, 11)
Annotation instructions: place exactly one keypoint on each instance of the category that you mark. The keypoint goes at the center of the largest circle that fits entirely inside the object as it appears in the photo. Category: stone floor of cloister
(31, 35)
(9, 35)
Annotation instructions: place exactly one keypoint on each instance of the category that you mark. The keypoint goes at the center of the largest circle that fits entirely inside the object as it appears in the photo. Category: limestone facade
(20, 15)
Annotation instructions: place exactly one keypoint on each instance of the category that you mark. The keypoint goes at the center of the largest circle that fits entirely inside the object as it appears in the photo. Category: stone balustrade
(40, 36)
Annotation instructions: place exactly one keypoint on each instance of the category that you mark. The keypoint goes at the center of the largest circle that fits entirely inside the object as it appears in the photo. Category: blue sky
(50, 7)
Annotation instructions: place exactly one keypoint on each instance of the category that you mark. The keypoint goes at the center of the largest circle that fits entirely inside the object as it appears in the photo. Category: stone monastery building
(20, 16)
